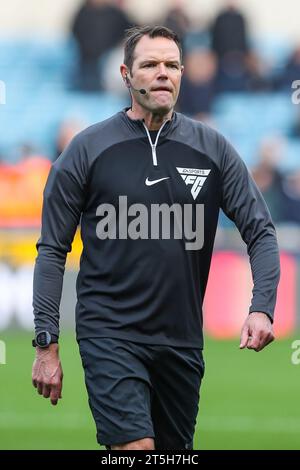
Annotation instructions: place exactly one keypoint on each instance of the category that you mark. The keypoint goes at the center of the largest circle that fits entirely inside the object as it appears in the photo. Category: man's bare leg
(141, 444)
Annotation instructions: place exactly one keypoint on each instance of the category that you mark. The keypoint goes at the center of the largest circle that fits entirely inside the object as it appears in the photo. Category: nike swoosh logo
(151, 183)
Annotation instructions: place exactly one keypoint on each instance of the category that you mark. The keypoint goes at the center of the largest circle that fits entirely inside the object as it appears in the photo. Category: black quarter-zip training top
(144, 284)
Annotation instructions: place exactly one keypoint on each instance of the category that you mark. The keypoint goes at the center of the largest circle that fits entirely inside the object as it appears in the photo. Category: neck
(152, 120)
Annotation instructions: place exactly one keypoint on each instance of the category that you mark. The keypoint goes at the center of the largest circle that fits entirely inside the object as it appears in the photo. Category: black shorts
(138, 390)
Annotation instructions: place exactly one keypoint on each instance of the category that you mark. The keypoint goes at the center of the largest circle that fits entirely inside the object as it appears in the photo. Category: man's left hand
(257, 331)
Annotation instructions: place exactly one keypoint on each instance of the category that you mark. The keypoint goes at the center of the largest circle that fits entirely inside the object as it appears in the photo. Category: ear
(182, 70)
(124, 72)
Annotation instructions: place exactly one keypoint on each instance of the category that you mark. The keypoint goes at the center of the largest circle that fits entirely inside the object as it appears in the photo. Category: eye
(148, 65)
(173, 66)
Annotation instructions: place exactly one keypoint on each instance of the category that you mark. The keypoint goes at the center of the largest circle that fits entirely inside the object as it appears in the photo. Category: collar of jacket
(138, 123)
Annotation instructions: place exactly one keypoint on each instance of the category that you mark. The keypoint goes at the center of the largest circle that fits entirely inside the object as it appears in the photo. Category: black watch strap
(43, 339)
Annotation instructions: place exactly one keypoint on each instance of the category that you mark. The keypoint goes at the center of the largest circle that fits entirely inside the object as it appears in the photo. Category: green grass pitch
(248, 400)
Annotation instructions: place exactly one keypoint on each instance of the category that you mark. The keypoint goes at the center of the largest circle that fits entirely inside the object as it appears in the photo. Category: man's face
(157, 68)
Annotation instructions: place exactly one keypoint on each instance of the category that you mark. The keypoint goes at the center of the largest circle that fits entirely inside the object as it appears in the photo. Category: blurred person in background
(198, 84)
(230, 42)
(66, 131)
(290, 72)
(268, 177)
(257, 74)
(139, 312)
(98, 27)
(291, 198)
(240, 68)
(178, 21)
(229, 31)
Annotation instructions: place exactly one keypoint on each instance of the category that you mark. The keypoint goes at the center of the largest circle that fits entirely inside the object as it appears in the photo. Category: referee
(146, 186)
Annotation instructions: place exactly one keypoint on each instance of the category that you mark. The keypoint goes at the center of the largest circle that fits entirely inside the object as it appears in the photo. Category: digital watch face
(43, 339)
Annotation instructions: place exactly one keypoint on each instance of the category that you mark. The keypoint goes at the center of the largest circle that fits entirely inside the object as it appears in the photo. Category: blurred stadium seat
(38, 95)
(39, 98)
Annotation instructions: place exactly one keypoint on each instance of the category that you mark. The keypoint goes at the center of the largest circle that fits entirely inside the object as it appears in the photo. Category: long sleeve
(63, 203)
(243, 203)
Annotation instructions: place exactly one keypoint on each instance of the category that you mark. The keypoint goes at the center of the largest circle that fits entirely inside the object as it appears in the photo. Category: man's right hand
(47, 374)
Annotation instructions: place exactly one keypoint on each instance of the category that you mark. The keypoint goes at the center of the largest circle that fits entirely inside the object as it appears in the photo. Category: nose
(162, 71)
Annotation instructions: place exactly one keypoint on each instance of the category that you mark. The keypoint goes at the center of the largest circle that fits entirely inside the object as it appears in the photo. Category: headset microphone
(141, 90)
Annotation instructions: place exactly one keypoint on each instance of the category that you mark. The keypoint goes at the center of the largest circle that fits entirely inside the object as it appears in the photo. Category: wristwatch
(43, 339)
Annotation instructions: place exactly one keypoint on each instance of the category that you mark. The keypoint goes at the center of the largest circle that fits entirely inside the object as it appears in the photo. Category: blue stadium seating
(38, 73)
